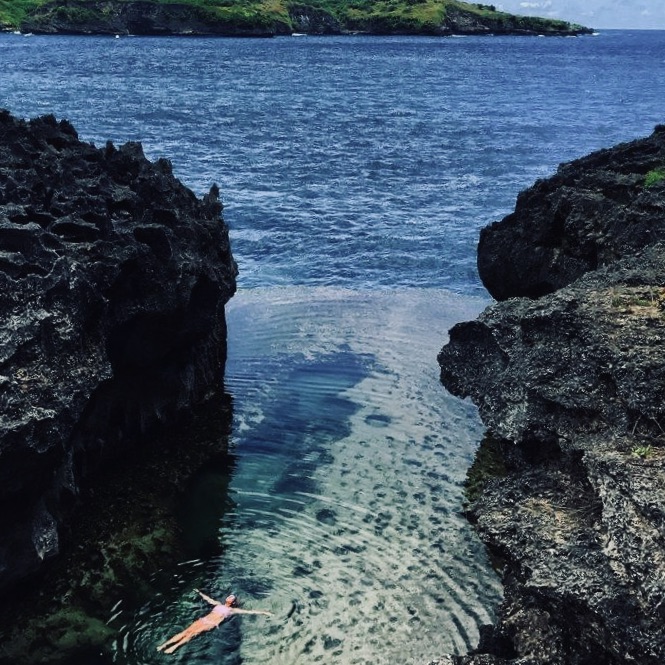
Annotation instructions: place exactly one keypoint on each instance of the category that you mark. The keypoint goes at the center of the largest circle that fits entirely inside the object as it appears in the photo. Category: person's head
(231, 601)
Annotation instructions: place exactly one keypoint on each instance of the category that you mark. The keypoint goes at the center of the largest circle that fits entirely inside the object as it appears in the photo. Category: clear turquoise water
(356, 174)
(345, 505)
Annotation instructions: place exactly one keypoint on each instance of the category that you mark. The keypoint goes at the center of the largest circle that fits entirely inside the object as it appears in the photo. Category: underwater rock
(113, 281)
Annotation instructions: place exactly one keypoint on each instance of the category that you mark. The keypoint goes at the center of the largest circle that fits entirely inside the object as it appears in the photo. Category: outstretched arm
(235, 610)
(208, 599)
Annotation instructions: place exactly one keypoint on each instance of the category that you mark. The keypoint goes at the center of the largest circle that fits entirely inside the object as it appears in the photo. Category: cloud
(536, 5)
(623, 14)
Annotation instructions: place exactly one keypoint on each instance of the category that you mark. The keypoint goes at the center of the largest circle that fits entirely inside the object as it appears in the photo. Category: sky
(641, 14)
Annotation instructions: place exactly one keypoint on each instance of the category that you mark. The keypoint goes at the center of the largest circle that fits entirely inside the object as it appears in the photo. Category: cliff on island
(568, 373)
(113, 281)
(257, 18)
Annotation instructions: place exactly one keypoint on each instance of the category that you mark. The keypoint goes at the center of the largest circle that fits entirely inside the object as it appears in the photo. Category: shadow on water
(303, 419)
(203, 506)
(128, 536)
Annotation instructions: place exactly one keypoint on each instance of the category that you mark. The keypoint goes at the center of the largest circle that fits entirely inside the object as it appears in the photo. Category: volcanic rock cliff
(113, 281)
(568, 373)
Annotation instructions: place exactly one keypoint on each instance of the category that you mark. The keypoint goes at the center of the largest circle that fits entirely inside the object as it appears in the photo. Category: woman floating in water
(220, 611)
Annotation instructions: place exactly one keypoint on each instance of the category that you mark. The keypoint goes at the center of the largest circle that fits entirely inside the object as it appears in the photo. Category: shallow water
(346, 492)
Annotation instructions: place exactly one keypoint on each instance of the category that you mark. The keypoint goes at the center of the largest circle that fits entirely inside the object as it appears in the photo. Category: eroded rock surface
(571, 386)
(113, 281)
(594, 211)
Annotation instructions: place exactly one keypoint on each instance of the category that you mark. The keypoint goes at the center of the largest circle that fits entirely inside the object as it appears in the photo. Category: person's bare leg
(198, 627)
(171, 640)
(172, 648)
(183, 640)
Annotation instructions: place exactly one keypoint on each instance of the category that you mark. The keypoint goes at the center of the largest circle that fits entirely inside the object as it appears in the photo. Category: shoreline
(350, 34)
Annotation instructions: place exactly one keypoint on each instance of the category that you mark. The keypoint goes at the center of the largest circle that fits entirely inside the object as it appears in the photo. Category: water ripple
(326, 148)
(346, 493)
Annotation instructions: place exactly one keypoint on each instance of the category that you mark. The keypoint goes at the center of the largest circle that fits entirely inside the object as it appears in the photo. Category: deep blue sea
(356, 173)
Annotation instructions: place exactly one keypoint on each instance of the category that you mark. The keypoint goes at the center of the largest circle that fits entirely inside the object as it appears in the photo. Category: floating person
(220, 611)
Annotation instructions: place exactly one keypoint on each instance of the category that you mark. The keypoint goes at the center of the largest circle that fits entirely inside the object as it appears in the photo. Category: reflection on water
(344, 510)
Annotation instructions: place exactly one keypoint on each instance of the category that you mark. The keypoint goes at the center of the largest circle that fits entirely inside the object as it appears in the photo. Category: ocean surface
(356, 174)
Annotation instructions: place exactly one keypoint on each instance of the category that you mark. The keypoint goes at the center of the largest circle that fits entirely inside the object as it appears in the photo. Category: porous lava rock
(594, 211)
(113, 281)
(571, 387)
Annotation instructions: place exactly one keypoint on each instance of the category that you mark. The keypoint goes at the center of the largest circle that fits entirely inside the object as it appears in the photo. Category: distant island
(267, 18)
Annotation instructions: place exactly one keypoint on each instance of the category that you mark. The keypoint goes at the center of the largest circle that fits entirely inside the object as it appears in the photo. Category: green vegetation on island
(271, 17)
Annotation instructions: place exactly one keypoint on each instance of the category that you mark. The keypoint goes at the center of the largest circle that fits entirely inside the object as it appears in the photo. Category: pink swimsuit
(222, 610)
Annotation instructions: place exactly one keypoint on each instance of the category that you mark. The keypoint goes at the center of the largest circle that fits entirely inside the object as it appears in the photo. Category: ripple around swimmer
(345, 499)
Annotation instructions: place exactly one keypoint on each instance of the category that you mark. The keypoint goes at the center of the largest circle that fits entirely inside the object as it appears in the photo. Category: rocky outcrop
(592, 212)
(113, 281)
(310, 20)
(571, 386)
(453, 18)
(460, 21)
